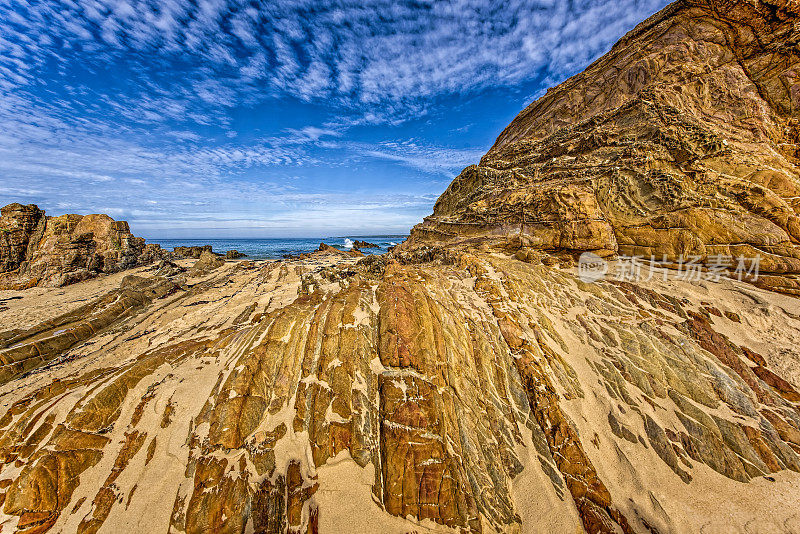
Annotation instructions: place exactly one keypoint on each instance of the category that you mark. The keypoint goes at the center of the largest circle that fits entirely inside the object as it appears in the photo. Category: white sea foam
(348, 244)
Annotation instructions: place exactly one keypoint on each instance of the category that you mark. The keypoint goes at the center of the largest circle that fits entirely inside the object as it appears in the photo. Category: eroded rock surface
(474, 392)
(681, 141)
(36, 250)
(208, 261)
(24, 350)
(18, 224)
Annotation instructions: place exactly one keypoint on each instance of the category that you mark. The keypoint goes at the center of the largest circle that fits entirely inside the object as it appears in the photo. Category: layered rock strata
(36, 250)
(328, 249)
(682, 141)
(475, 392)
(18, 224)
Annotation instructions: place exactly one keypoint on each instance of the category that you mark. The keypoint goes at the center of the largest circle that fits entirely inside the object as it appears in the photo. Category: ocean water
(257, 249)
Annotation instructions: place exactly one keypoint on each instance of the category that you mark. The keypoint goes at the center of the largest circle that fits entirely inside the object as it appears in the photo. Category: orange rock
(633, 157)
(56, 251)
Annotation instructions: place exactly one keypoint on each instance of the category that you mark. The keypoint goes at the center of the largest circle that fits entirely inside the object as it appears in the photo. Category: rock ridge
(681, 141)
(470, 392)
(37, 250)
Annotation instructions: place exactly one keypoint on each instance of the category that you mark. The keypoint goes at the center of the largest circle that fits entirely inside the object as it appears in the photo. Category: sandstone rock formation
(681, 141)
(234, 255)
(18, 224)
(168, 269)
(207, 262)
(191, 252)
(363, 244)
(328, 249)
(472, 380)
(36, 250)
(23, 350)
(473, 392)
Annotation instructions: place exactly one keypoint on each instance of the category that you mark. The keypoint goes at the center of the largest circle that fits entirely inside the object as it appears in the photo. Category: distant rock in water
(363, 244)
(36, 250)
(191, 252)
(324, 247)
(234, 255)
(681, 141)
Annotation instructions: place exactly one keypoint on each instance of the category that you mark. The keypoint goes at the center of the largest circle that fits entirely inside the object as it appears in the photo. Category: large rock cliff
(18, 224)
(36, 250)
(681, 141)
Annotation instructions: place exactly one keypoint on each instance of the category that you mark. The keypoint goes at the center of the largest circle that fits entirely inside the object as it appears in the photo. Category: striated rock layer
(36, 250)
(474, 393)
(18, 224)
(471, 381)
(681, 141)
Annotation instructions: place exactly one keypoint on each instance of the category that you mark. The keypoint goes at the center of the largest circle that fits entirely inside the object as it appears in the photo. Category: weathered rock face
(681, 141)
(475, 392)
(208, 261)
(469, 381)
(18, 224)
(328, 249)
(192, 252)
(36, 250)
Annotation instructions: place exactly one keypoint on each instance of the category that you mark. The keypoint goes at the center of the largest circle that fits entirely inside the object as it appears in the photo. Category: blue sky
(229, 118)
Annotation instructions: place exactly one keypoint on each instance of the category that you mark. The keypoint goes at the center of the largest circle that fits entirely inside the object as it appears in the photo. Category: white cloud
(439, 160)
(355, 53)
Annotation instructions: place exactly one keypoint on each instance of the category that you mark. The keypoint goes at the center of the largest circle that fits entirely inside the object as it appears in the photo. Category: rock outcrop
(234, 255)
(328, 249)
(207, 262)
(36, 250)
(681, 141)
(473, 392)
(18, 224)
(21, 351)
(363, 244)
(472, 380)
(191, 252)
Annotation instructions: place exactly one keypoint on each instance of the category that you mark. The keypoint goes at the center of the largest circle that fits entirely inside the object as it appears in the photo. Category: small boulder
(167, 269)
(191, 252)
(324, 247)
(327, 249)
(207, 262)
